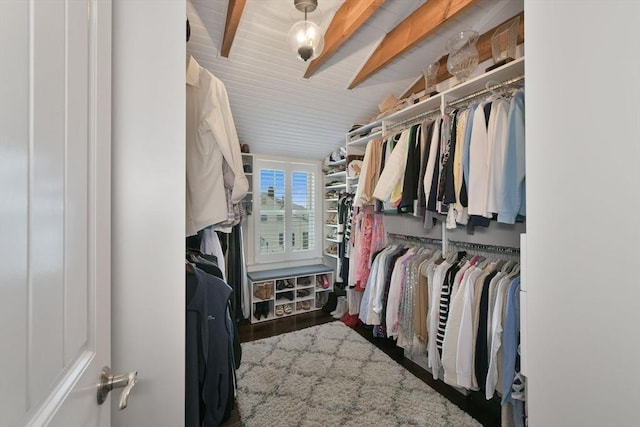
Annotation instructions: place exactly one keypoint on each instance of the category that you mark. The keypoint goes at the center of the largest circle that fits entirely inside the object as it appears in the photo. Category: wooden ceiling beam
(421, 23)
(234, 13)
(484, 53)
(346, 21)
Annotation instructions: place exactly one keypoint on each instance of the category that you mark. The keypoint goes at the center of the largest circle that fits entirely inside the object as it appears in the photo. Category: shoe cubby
(287, 292)
(261, 311)
(262, 291)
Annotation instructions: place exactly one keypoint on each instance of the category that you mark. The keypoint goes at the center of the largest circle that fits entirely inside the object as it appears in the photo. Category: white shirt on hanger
(211, 141)
(498, 135)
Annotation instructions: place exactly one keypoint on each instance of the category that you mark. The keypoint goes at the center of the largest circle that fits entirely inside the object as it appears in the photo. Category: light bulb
(306, 40)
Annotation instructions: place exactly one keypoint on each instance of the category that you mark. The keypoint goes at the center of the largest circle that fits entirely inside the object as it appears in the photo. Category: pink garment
(378, 236)
(364, 245)
(371, 240)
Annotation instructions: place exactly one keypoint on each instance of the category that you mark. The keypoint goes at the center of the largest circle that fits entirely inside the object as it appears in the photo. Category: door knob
(108, 382)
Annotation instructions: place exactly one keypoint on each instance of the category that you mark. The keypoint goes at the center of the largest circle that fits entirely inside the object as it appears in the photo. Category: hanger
(500, 89)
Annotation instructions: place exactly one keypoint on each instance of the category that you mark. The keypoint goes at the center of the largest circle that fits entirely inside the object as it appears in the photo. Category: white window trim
(288, 166)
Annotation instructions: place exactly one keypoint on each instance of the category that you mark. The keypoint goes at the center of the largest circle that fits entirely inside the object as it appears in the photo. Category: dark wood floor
(486, 412)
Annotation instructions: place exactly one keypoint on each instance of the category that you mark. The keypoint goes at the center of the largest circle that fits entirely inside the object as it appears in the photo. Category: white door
(55, 61)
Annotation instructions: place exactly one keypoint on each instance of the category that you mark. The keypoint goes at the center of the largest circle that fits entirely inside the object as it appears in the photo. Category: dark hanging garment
(208, 368)
(445, 158)
(193, 242)
(412, 171)
(426, 141)
(234, 279)
(431, 203)
(234, 271)
(380, 331)
(482, 357)
(449, 185)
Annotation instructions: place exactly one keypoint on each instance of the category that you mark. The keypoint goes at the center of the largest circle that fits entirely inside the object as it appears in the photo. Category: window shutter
(302, 211)
(271, 230)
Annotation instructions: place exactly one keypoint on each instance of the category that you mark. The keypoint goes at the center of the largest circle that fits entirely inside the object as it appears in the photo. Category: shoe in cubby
(303, 305)
(303, 293)
(304, 281)
(322, 282)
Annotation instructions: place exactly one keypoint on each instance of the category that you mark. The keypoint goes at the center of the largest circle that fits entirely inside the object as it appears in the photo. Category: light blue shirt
(512, 199)
(510, 340)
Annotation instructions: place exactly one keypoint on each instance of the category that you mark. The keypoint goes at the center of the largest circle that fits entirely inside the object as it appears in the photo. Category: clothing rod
(485, 91)
(414, 238)
(418, 117)
(484, 248)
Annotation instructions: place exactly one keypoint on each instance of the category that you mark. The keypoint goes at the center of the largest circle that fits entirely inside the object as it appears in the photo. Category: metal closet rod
(417, 118)
(484, 248)
(414, 238)
(485, 91)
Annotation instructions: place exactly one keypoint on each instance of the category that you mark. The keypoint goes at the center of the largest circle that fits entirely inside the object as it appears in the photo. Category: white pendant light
(305, 37)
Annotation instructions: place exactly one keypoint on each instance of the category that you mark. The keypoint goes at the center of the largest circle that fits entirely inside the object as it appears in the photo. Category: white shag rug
(329, 375)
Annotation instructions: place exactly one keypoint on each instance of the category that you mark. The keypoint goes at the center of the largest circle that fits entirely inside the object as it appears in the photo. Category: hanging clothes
(210, 245)
(467, 165)
(213, 158)
(512, 198)
(209, 359)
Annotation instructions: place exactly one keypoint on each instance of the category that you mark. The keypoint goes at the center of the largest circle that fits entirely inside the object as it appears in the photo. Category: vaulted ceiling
(277, 110)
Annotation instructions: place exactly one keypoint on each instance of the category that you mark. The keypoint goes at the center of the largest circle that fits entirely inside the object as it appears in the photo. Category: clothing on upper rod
(467, 165)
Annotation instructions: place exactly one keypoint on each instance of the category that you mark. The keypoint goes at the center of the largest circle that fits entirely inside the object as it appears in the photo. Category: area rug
(328, 375)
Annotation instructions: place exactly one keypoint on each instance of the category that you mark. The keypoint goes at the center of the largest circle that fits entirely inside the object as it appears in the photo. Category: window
(287, 226)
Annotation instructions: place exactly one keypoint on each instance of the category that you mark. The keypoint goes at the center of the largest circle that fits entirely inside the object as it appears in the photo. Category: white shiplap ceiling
(276, 110)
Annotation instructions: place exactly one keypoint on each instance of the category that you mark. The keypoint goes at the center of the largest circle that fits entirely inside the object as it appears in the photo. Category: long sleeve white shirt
(498, 135)
(493, 293)
(452, 330)
(464, 353)
(211, 142)
(496, 336)
(394, 168)
(478, 150)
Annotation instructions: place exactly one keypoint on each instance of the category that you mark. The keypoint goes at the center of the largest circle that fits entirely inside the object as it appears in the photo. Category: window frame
(289, 254)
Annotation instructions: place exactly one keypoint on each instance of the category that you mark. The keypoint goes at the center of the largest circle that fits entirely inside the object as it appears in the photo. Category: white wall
(148, 208)
(583, 183)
